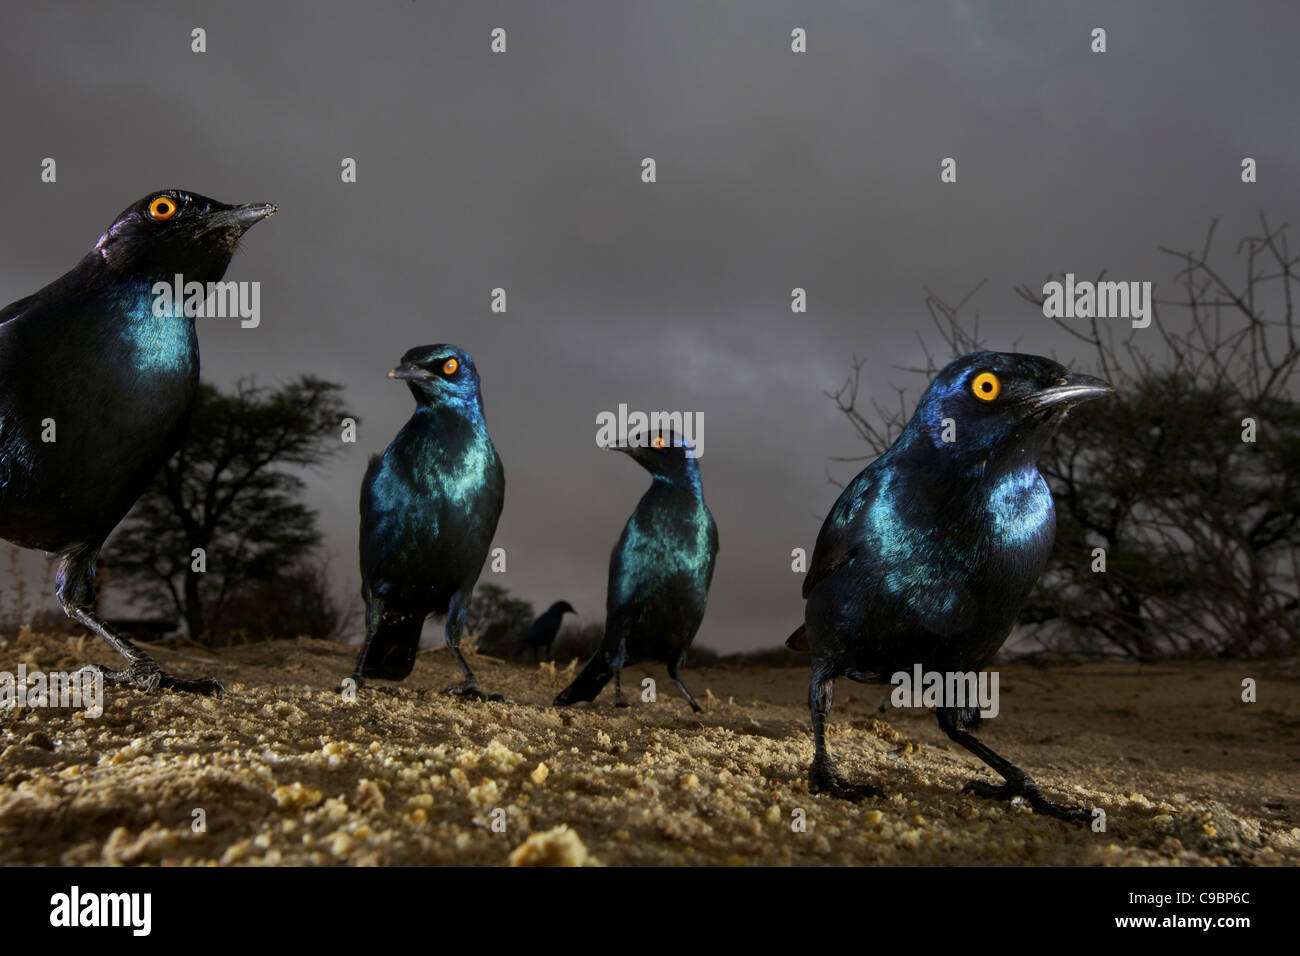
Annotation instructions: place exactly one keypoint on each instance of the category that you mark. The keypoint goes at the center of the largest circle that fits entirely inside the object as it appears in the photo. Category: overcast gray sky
(522, 170)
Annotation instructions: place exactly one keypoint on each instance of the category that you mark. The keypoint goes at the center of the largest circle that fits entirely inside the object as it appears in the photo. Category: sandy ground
(285, 772)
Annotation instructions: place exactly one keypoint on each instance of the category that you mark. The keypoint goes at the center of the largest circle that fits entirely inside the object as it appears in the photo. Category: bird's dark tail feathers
(798, 641)
(389, 653)
(589, 682)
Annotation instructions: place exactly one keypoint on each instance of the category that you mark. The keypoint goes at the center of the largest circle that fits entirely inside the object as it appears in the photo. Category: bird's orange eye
(449, 367)
(659, 442)
(164, 207)
(986, 386)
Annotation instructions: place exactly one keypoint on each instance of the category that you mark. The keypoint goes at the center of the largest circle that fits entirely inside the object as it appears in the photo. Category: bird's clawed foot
(620, 700)
(470, 690)
(824, 778)
(1025, 788)
(148, 677)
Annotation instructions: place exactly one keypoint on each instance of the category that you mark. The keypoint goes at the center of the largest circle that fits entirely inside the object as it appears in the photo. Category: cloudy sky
(775, 170)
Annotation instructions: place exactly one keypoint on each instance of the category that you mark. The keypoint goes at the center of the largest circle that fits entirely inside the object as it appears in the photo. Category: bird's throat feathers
(686, 477)
(448, 403)
(447, 429)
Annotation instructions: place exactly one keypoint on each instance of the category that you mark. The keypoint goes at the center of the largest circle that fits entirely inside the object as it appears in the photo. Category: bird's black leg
(374, 614)
(456, 612)
(675, 672)
(619, 699)
(76, 587)
(1018, 783)
(822, 775)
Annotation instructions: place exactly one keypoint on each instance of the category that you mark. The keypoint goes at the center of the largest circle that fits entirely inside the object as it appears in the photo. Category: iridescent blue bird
(429, 508)
(659, 573)
(931, 551)
(541, 635)
(96, 390)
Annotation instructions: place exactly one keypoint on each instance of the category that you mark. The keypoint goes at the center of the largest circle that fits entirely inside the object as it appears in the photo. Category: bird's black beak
(410, 373)
(238, 217)
(1070, 390)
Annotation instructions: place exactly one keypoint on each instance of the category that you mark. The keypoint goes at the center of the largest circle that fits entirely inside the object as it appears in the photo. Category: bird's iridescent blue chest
(1018, 510)
(670, 535)
(932, 548)
(429, 509)
(441, 474)
(154, 344)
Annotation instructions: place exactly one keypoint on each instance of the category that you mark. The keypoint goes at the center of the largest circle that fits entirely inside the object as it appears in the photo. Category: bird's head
(440, 375)
(988, 406)
(663, 454)
(563, 608)
(174, 231)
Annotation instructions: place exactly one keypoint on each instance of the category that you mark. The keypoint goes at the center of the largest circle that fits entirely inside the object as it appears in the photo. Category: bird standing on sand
(541, 635)
(429, 509)
(96, 390)
(659, 574)
(930, 553)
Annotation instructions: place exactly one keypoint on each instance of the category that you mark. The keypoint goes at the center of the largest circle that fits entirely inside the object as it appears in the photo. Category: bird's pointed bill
(1072, 390)
(241, 217)
(411, 373)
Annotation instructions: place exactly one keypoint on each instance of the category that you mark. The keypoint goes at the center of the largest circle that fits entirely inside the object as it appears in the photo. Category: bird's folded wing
(835, 545)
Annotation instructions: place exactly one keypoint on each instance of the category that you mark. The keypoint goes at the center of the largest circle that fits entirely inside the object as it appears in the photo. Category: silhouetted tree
(230, 500)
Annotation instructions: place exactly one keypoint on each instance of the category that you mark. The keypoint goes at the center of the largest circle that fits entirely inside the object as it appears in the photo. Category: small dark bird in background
(429, 509)
(87, 357)
(929, 554)
(541, 635)
(659, 573)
